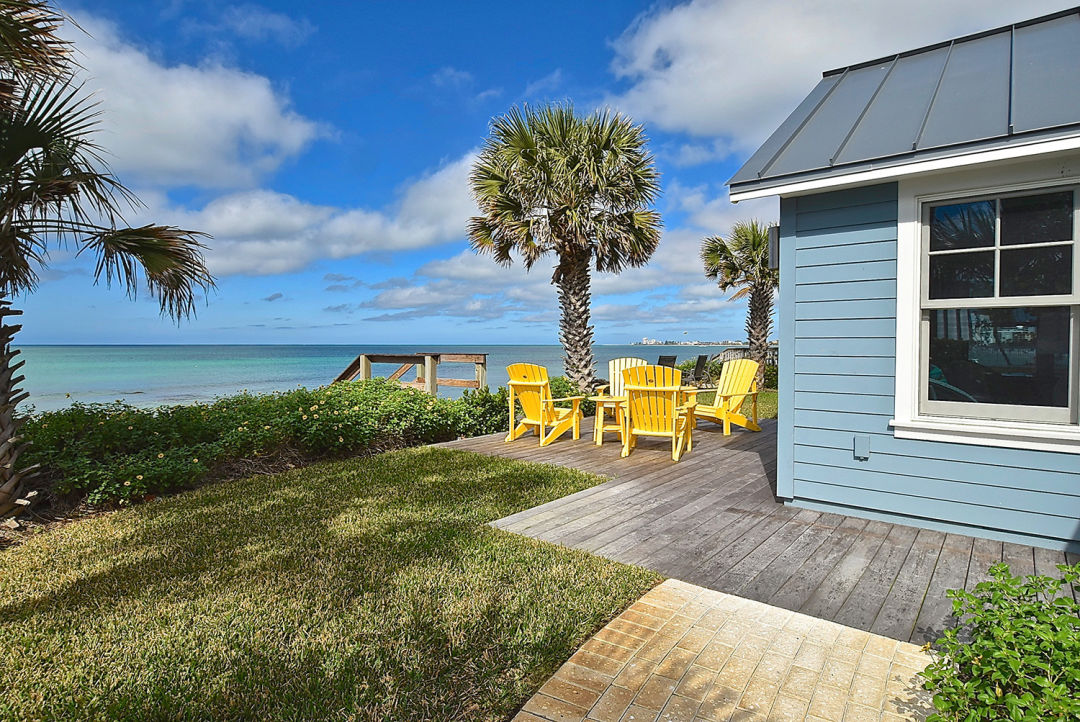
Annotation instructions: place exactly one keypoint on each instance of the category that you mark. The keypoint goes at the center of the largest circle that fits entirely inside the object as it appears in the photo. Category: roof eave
(881, 170)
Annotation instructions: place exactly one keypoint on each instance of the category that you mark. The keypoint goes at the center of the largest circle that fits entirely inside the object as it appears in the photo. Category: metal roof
(992, 89)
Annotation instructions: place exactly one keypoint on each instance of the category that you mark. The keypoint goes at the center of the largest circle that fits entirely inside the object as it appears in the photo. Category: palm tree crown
(741, 261)
(55, 190)
(549, 181)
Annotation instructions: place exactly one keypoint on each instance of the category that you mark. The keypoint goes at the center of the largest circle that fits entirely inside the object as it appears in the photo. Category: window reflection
(1016, 356)
(962, 225)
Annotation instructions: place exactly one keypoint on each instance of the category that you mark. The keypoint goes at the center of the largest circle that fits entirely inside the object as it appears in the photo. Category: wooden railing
(427, 369)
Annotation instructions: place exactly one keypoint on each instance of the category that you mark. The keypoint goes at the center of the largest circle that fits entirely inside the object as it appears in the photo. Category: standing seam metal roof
(1004, 86)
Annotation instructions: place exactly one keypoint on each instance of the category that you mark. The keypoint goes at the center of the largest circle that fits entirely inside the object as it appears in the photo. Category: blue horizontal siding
(849, 291)
(847, 365)
(845, 327)
(839, 287)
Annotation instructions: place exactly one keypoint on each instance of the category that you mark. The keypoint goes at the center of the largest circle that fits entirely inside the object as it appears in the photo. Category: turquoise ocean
(155, 375)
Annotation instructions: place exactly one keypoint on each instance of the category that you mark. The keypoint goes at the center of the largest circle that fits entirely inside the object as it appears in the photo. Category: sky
(325, 148)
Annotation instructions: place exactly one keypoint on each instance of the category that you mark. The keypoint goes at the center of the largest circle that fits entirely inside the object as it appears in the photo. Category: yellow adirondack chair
(529, 386)
(654, 407)
(609, 397)
(738, 382)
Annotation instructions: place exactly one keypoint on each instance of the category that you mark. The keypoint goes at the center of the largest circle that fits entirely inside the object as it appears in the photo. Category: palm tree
(55, 190)
(549, 181)
(742, 261)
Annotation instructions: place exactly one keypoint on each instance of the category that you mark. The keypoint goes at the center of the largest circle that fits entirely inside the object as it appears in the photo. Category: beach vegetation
(740, 262)
(57, 192)
(117, 453)
(1014, 652)
(367, 588)
(549, 182)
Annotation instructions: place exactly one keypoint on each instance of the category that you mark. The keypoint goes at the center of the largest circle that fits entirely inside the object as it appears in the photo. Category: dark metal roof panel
(983, 90)
(1046, 66)
(973, 100)
(821, 136)
(893, 121)
(787, 129)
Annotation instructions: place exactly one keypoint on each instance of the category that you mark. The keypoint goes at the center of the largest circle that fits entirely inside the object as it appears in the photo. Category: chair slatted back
(737, 377)
(529, 383)
(666, 361)
(616, 367)
(652, 396)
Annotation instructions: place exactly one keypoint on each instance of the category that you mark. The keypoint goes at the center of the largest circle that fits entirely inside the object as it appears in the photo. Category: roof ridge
(961, 39)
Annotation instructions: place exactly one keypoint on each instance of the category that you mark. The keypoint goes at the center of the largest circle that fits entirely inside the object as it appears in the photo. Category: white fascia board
(878, 175)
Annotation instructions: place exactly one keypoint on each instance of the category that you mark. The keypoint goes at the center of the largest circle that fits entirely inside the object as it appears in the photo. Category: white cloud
(449, 77)
(737, 68)
(544, 85)
(263, 232)
(256, 23)
(208, 125)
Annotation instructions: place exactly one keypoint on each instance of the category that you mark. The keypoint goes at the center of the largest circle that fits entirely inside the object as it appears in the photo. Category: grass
(365, 589)
(767, 403)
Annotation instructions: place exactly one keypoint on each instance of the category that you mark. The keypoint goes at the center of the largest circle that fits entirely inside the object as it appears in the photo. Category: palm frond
(170, 260)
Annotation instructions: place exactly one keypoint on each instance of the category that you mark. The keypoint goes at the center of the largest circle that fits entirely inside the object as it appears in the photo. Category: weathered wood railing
(427, 369)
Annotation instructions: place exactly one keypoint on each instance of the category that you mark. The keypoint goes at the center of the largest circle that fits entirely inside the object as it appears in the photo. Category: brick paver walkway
(682, 652)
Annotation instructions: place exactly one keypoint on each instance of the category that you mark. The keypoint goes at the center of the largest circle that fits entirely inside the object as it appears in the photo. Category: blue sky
(325, 148)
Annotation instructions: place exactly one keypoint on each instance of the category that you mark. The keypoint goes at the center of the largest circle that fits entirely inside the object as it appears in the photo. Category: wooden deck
(713, 520)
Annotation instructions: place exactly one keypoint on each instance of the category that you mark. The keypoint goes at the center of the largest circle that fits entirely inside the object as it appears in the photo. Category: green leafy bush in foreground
(1015, 654)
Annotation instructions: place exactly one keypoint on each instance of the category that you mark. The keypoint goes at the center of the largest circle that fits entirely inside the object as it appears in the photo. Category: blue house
(930, 286)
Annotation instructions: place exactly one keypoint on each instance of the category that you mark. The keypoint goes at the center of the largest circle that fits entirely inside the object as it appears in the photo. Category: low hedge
(117, 453)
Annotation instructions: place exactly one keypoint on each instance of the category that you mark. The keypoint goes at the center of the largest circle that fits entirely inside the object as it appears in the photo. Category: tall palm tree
(55, 190)
(741, 261)
(550, 181)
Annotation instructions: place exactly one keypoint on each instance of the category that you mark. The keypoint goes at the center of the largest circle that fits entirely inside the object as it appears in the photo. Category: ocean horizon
(149, 375)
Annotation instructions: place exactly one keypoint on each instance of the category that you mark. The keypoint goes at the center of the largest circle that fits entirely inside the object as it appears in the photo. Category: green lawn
(766, 403)
(368, 589)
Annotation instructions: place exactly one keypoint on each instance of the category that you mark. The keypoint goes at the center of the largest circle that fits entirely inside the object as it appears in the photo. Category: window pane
(962, 225)
(1037, 219)
(1043, 271)
(1000, 356)
(962, 275)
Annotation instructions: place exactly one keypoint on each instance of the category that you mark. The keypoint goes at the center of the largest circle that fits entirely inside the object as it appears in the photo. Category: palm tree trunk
(575, 331)
(12, 480)
(759, 325)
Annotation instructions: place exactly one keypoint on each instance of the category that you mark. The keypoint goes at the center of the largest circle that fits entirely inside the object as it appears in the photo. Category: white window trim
(908, 422)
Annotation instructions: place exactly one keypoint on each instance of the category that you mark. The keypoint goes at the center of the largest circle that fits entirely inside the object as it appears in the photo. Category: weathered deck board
(713, 520)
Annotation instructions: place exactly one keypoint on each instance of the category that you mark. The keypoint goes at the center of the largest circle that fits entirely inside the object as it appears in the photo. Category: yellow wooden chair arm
(599, 389)
(567, 398)
(744, 393)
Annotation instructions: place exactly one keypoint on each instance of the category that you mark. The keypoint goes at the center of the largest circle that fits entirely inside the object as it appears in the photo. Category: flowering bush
(117, 452)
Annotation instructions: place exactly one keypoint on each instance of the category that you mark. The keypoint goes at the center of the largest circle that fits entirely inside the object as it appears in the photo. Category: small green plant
(561, 388)
(1015, 654)
(772, 374)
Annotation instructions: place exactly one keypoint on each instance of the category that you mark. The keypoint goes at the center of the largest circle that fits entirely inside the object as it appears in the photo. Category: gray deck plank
(865, 601)
(900, 610)
(713, 519)
(1020, 558)
(950, 573)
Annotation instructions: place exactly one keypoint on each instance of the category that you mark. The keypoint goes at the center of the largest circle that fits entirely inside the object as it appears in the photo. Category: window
(1000, 308)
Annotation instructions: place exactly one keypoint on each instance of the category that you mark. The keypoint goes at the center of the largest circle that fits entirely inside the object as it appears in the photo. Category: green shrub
(1015, 654)
(561, 388)
(772, 374)
(116, 452)
(482, 412)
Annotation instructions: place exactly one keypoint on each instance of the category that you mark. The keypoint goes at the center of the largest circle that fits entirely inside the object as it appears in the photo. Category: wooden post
(431, 383)
(481, 375)
(365, 367)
